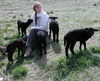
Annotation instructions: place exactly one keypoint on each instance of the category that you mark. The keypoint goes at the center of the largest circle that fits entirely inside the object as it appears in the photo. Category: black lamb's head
(29, 21)
(90, 31)
(53, 18)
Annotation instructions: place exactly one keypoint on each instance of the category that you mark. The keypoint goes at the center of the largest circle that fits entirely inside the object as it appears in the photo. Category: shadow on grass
(40, 60)
(49, 41)
(55, 46)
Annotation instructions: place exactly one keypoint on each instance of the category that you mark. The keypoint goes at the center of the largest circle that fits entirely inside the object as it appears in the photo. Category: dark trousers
(31, 41)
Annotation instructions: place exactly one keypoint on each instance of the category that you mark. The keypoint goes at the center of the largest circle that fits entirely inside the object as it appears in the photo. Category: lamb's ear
(56, 17)
(50, 17)
(86, 28)
(30, 20)
(53, 18)
(93, 29)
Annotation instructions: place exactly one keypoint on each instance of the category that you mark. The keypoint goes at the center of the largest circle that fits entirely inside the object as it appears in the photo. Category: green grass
(95, 49)
(61, 68)
(19, 72)
(2, 64)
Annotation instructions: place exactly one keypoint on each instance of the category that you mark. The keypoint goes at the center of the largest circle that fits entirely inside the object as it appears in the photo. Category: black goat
(11, 47)
(81, 35)
(23, 26)
(41, 41)
(54, 27)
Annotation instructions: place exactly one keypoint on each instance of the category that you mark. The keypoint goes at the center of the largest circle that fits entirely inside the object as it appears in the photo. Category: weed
(94, 4)
(14, 17)
(21, 15)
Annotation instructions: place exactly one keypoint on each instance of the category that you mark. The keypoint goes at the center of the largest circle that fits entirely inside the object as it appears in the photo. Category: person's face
(38, 9)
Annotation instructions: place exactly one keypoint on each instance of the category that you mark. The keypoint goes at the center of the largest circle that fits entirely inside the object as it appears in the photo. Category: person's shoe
(28, 51)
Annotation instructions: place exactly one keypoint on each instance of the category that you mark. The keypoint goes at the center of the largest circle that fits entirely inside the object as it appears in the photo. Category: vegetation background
(72, 14)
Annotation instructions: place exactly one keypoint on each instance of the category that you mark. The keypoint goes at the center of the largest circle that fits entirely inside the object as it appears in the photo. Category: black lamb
(11, 47)
(41, 41)
(22, 26)
(54, 27)
(81, 35)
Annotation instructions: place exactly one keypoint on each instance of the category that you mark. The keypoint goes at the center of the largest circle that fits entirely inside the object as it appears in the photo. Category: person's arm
(43, 23)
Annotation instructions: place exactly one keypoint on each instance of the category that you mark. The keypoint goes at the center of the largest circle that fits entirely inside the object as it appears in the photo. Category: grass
(95, 49)
(61, 68)
(19, 72)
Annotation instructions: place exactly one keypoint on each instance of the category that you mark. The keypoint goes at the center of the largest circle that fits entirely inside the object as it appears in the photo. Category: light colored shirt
(42, 21)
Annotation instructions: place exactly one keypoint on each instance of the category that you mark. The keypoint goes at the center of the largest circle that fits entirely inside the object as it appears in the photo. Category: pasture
(72, 14)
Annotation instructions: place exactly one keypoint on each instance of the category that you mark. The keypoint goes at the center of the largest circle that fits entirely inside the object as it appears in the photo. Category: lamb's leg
(25, 32)
(80, 45)
(53, 36)
(45, 44)
(72, 47)
(57, 37)
(23, 51)
(18, 29)
(18, 52)
(40, 47)
(84, 43)
(10, 57)
(22, 31)
(66, 48)
(50, 34)
(45, 49)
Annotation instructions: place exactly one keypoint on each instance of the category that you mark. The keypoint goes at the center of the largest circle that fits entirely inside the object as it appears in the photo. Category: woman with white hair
(40, 22)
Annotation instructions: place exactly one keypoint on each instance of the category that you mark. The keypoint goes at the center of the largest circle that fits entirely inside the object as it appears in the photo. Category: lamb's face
(91, 31)
(30, 20)
(53, 18)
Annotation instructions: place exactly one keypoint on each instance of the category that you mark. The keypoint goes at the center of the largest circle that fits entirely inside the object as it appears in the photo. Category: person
(40, 23)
